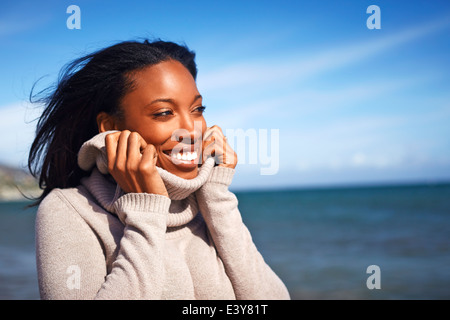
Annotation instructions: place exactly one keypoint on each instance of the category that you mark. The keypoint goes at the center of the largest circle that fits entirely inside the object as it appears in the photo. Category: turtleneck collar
(179, 188)
(92, 156)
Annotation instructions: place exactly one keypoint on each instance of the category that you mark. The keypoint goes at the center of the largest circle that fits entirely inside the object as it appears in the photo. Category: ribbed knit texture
(181, 191)
(93, 153)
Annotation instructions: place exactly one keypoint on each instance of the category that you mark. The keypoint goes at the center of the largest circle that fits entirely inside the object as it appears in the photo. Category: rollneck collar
(183, 208)
(179, 188)
(93, 153)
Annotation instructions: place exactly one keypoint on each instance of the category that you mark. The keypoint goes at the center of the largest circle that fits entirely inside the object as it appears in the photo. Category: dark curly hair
(87, 86)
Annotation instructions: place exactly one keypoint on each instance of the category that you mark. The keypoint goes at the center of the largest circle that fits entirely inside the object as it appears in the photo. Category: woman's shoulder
(78, 205)
(57, 214)
(75, 212)
(67, 197)
(61, 204)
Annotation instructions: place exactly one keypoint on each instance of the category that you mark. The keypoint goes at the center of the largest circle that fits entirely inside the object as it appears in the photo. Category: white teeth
(187, 156)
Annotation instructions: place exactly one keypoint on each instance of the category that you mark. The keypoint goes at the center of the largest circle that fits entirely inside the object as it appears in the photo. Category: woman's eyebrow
(171, 101)
(168, 100)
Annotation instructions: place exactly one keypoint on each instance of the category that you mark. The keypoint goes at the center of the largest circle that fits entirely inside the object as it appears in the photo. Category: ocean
(319, 241)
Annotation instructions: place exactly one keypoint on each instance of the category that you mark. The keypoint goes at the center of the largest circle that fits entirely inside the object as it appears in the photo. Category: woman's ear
(106, 122)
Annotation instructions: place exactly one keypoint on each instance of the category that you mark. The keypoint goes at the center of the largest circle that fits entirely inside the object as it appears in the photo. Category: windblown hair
(87, 86)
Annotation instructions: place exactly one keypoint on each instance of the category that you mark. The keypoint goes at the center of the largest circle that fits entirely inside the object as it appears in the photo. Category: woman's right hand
(132, 163)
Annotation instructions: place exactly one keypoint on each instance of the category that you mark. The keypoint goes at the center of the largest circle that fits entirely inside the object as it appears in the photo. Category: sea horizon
(344, 185)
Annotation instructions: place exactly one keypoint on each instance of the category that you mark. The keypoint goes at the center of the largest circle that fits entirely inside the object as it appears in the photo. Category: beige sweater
(95, 242)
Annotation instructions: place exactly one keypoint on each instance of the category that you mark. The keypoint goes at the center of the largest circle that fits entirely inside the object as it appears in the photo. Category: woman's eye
(163, 114)
(200, 109)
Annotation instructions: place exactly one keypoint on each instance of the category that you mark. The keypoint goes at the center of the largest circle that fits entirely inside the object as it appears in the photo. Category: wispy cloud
(375, 141)
(296, 67)
(291, 110)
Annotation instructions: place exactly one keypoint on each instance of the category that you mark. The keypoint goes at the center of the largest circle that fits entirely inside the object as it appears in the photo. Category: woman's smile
(183, 156)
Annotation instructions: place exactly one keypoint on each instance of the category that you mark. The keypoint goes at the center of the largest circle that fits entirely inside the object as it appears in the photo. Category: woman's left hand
(215, 144)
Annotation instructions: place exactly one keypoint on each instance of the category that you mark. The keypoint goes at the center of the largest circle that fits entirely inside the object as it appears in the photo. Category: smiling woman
(135, 201)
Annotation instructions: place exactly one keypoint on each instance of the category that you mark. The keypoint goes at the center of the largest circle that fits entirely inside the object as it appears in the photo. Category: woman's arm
(70, 259)
(251, 277)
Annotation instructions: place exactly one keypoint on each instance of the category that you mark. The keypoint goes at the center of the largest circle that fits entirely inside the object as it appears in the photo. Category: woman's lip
(177, 158)
(185, 148)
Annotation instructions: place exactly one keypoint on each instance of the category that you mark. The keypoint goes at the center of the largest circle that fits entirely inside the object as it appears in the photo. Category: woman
(135, 201)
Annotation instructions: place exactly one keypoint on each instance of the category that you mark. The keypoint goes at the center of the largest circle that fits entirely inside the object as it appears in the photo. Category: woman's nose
(189, 131)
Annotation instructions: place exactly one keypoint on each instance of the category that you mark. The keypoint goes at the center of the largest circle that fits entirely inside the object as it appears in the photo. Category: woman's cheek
(157, 136)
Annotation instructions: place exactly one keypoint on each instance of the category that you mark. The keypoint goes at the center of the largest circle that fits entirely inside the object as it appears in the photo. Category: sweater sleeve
(71, 262)
(251, 277)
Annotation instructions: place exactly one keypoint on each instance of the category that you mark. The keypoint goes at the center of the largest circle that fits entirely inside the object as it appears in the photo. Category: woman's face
(166, 109)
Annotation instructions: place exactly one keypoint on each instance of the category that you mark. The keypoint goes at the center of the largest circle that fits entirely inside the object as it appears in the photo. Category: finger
(215, 150)
(111, 141)
(208, 152)
(142, 143)
(212, 131)
(150, 178)
(207, 143)
(215, 144)
(207, 134)
(224, 149)
(215, 137)
(133, 153)
(229, 156)
(219, 143)
(136, 144)
(149, 158)
(122, 146)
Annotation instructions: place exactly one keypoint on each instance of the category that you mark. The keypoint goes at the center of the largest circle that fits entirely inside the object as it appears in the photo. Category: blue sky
(351, 105)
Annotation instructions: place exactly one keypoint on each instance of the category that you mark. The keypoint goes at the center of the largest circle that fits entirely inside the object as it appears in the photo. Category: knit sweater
(97, 242)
